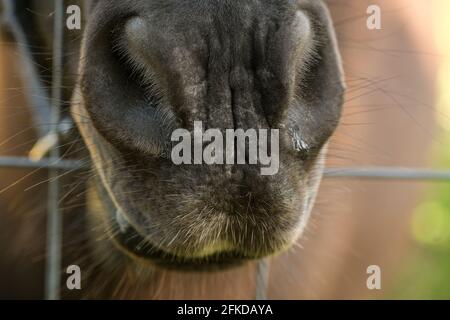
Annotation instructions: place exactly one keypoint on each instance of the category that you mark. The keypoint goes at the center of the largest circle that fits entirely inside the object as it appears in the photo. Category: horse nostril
(135, 33)
(140, 44)
(121, 95)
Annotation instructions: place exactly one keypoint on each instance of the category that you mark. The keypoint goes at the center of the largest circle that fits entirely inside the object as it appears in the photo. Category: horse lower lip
(166, 260)
(131, 240)
(135, 246)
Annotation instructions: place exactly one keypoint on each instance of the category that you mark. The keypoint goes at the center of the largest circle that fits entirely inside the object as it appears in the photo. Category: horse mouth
(137, 247)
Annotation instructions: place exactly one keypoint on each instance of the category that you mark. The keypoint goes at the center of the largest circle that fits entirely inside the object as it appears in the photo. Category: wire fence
(54, 218)
(369, 173)
(54, 233)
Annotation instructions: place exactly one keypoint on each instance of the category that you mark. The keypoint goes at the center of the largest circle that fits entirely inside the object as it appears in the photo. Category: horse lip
(133, 244)
(130, 241)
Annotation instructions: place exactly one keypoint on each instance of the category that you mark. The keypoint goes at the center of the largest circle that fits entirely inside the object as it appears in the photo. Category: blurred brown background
(389, 120)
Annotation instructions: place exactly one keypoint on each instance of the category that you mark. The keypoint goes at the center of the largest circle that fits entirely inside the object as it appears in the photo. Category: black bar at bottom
(228, 309)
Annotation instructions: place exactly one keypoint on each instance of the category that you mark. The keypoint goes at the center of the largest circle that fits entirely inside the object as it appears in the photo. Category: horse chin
(134, 246)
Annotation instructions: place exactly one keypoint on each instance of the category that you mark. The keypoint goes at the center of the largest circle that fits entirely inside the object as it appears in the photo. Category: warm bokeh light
(431, 220)
(442, 38)
(426, 275)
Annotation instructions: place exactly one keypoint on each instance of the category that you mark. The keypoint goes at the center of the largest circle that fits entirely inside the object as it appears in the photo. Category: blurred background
(426, 272)
(397, 113)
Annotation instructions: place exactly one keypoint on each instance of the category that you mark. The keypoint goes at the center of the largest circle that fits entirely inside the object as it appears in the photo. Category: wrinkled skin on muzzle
(146, 68)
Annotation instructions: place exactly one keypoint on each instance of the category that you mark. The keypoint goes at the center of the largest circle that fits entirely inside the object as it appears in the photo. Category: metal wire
(262, 279)
(389, 173)
(37, 96)
(27, 163)
(372, 173)
(54, 219)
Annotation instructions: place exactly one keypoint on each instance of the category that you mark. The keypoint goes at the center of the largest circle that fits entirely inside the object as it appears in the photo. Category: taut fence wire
(54, 218)
(370, 173)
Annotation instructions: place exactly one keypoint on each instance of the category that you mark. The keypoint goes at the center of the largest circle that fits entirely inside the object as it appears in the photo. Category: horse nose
(227, 76)
(172, 63)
